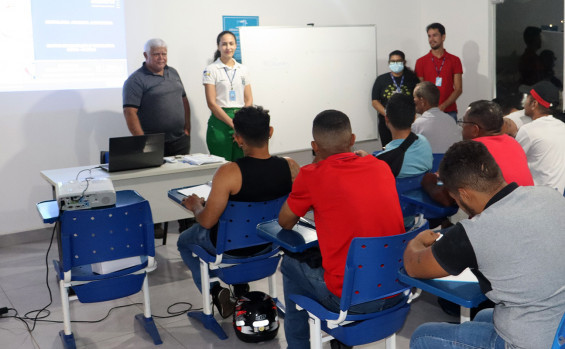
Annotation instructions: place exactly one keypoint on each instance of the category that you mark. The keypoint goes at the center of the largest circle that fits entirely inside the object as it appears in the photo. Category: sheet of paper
(466, 276)
(199, 159)
(202, 191)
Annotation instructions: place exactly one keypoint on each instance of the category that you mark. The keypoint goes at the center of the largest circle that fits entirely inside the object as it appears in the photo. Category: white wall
(47, 130)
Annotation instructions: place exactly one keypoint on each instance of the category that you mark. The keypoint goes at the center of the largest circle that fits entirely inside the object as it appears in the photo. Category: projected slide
(61, 44)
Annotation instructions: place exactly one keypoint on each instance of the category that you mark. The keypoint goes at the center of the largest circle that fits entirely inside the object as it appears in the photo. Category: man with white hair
(154, 101)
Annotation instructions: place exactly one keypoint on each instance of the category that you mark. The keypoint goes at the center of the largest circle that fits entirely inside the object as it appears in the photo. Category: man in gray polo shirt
(513, 244)
(154, 100)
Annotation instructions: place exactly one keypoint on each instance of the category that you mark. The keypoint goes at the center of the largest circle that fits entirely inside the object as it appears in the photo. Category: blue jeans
(299, 278)
(453, 114)
(195, 235)
(479, 334)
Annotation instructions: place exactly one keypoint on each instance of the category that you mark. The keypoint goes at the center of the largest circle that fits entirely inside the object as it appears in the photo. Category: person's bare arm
(247, 96)
(186, 106)
(294, 167)
(132, 120)
(226, 181)
(210, 91)
(509, 127)
(419, 260)
(436, 192)
(287, 218)
(457, 91)
(379, 107)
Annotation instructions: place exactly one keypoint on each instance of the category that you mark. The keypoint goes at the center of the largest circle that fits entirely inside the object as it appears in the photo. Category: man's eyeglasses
(462, 122)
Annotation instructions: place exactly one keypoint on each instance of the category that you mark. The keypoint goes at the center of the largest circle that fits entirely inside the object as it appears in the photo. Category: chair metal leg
(206, 317)
(165, 229)
(65, 308)
(145, 319)
(465, 314)
(66, 334)
(390, 342)
(315, 326)
(273, 293)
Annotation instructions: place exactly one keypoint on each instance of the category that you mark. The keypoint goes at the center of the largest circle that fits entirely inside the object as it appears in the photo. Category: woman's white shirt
(225, 79)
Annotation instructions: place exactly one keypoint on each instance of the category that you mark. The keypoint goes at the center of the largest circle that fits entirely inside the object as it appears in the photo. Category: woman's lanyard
(232, 77)
(398, 88)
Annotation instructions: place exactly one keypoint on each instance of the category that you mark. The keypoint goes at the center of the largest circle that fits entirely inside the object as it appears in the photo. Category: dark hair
(331, 121)
(509, 101)
(437, 26)
(397, 53)
(531, 34)
(487, 114)
(468, 164)
(217, 54)
(400, 111)
(252, 123)
(427, 91)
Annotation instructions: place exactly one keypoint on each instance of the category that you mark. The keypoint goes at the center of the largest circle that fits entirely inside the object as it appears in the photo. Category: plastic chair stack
(371, 273)
(237, 228)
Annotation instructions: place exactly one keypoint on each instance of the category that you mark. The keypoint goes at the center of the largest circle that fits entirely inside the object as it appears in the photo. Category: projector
(85, 194)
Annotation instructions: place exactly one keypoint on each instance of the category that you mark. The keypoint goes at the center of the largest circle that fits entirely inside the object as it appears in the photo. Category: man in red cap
(543, 139)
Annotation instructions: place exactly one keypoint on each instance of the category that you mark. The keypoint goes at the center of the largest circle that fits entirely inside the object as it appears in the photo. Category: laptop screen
(135, 152)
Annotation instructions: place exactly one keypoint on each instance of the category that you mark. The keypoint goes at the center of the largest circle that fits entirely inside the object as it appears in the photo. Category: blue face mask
(396, 67)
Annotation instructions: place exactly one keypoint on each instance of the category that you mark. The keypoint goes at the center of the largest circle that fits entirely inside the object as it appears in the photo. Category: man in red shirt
(483, 123)
(351, 197)
(442, 69)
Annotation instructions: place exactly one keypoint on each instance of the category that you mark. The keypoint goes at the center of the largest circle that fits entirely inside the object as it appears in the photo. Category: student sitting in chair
(407, 154)
(513, 244)
(483, 122)
(257, 176)
(351, 197)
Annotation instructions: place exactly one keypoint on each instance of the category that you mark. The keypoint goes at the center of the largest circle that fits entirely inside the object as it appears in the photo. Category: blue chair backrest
(437, 161)
(559, 342)
(408, 183)
(103, 234)
(237, 227)
(371, 270)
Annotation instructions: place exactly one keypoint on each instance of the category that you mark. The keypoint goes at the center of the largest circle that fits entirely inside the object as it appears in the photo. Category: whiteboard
(297, 72)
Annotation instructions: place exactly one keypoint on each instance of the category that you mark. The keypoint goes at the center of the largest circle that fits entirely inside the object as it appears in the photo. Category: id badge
(232, 96)
(438, 81)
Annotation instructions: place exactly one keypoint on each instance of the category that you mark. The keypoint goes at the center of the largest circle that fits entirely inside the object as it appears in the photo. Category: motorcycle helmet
(255, 318)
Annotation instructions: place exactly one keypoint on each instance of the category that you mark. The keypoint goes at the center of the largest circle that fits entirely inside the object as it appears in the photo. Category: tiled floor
(23, 287)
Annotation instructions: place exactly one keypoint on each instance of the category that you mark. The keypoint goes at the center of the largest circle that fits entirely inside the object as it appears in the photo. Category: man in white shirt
(543, 139)
(438, 127)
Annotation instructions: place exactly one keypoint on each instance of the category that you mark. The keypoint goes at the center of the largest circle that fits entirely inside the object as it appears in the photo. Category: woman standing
(227, 88)
(400, 79)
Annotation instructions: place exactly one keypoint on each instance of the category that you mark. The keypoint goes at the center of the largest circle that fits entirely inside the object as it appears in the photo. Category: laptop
(135, 152)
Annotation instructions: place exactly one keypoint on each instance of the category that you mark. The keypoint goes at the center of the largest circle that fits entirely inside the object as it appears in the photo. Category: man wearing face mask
(400, 79)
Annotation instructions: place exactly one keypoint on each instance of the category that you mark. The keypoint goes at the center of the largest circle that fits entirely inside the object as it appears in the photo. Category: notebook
(135, 152)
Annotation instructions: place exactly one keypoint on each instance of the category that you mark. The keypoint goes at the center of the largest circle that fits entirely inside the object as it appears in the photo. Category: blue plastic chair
(237, 228)
(559, 342)
(437, 160)
(371, 273)
(87, 237)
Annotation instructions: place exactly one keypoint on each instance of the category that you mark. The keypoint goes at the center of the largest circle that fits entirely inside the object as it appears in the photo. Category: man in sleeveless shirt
(257, 176)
